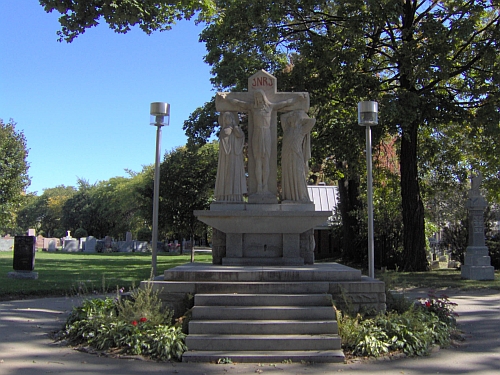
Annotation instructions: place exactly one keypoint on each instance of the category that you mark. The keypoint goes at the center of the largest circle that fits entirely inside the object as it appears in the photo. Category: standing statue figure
(295, 155)
(262, 109)
(230, 184)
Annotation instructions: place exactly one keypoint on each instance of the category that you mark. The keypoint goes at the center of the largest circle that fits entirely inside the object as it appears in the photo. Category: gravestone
(24, 258)
(6, 244)
(39, 242)
(128, 236)
(477, 263)
(107, 242)
(126, 246)
(31, 232)
(71, 245)
(90, 244)
(82, 243)
(141, 246)
(52, 245)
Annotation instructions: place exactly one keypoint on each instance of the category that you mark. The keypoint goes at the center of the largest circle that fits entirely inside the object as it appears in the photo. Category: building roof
(324, 197)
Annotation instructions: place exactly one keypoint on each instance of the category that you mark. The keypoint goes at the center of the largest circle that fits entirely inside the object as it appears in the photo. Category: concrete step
(263, 300)
(313, 356)
(237, 343)
(309, 313)
(262, 327)
(318, 272)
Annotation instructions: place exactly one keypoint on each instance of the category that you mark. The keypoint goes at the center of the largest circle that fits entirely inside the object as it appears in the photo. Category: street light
(160, 116)
(368, 116)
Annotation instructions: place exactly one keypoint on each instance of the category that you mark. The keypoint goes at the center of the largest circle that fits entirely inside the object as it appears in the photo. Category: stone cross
(262, 102)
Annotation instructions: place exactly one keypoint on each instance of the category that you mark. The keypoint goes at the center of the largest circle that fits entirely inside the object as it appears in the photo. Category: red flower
(142, 320)
(427, 304)
(134, 322)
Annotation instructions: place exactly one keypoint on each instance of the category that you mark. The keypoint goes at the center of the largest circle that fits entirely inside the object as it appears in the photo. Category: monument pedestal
(264, 234)
(477, 264)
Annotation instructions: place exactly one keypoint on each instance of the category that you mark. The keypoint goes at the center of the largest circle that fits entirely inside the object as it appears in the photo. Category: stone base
(349, 289)
(23, 275)
(478, 272)
(279, 261)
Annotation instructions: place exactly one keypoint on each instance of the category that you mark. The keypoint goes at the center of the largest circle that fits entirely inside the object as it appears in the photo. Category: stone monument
(263, 231)
(263, 273)
(24, 258)
(477, 263)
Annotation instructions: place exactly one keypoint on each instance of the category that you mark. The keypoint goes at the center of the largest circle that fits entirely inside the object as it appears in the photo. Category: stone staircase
(263, 328)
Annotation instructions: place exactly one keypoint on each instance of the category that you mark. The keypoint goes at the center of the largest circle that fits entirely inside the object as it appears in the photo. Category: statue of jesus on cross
(262, 103)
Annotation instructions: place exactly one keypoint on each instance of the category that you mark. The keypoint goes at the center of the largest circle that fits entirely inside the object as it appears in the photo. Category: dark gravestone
(24, 253)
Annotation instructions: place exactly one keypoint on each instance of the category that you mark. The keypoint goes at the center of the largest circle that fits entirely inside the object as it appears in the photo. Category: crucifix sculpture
(262, 102)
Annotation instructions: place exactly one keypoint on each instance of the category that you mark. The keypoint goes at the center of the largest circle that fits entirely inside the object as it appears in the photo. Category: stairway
(263, 328)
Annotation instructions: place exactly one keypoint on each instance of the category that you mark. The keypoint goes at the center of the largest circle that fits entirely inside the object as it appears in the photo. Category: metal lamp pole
(160, 116)
(368, 116)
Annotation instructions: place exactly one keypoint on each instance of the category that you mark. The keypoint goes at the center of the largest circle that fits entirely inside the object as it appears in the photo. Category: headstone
(128, 236)
(82, 243)
(31, 232)
(141, 246)
(6, 244)
(126, 246)
(51, 245)
(24, 258)
(477, 263)
(39, 242)
(107, 242)
(71, 245)
(90, 244)
(24, 253)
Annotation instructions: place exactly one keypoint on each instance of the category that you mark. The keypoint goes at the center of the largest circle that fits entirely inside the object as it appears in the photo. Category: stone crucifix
(262, 102)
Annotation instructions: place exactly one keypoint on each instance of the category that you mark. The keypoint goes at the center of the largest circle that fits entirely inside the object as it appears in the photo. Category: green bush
(80, 232)
(134, 325)
(144, 234)
(413, 332)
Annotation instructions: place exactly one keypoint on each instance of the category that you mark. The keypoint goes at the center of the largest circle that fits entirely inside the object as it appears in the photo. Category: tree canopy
(14, 177)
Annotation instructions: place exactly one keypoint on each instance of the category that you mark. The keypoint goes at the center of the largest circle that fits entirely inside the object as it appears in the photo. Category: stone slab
(315, 272)
(478, 272)
(263, 221)
(23, 275)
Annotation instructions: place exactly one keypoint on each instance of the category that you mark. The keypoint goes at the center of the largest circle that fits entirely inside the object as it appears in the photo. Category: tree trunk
(349, 206)
(414, 256)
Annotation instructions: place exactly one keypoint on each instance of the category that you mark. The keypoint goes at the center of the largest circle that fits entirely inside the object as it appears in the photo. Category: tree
(44, 212)
(14, 177)
(187, 181)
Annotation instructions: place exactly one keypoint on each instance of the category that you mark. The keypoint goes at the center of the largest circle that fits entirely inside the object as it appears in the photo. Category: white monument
(261, 231)
(477, 262)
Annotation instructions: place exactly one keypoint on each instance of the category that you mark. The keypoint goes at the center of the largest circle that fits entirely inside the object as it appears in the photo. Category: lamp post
(160, 116)
(368, 116)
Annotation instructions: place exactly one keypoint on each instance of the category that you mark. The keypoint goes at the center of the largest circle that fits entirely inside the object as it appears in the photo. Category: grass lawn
(436, 279)
(62, 274)
(71, 273)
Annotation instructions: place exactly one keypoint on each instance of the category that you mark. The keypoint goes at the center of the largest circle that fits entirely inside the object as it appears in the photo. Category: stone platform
(266, 313)
(346, 285)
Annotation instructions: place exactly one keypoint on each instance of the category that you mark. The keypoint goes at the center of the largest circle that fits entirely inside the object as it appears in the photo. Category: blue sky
(84, 106)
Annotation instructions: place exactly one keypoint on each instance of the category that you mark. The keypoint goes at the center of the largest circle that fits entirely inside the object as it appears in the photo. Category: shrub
(144, 234)
(80, 232)
(136, 325)
(412, 332)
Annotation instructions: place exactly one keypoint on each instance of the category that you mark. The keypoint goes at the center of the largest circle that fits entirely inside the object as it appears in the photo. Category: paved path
(26, 349)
